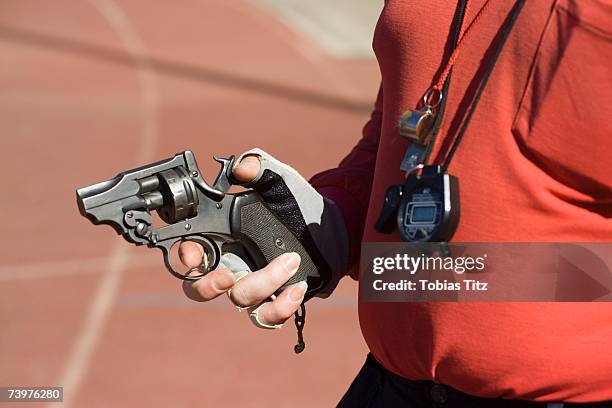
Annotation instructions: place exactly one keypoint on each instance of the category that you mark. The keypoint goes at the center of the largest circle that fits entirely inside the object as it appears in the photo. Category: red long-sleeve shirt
(535, 165)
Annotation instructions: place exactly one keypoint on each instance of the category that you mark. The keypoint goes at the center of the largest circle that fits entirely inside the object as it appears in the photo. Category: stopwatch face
(422, 214)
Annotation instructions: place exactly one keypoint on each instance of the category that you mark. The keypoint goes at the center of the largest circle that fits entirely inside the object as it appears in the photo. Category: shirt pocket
(564, 120)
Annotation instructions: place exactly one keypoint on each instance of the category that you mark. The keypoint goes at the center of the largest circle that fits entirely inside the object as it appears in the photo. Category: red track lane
(91, 88)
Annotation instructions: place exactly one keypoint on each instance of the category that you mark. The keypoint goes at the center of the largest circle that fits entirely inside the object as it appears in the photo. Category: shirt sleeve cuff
(354, 219)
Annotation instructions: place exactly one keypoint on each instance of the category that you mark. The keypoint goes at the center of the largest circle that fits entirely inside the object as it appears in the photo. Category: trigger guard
(212, 251)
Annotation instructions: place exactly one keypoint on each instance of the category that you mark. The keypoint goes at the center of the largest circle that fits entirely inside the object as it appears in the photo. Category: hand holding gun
(283, 229)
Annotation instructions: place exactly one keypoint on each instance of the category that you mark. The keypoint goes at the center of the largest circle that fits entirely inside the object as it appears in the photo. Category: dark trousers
(375, 387)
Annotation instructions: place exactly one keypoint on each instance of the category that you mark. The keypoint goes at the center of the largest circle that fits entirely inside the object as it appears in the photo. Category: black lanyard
(426, 206)
(505, 33)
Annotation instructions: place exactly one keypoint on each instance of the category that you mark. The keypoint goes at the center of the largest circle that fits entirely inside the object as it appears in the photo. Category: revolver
(193, 210)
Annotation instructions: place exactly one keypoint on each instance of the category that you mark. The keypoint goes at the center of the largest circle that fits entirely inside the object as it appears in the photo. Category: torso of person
(535, 165)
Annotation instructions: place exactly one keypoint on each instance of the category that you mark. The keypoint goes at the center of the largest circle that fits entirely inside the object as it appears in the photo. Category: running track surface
(93, 87)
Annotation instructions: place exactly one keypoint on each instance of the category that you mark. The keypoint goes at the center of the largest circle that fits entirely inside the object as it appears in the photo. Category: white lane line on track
(176, 300)
(94, 322)
(106, 293)
(52, 269)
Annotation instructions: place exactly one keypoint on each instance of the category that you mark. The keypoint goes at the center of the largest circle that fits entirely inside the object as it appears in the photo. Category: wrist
(344, 231)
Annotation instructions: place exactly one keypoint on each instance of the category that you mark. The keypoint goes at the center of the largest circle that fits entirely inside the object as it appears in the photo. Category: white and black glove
(316, 226)
(315, 221)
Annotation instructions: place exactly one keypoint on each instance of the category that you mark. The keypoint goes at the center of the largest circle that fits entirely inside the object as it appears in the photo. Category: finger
(257, 286)
(191, 254)
(247, 169)
(215, 283)
(284, 306)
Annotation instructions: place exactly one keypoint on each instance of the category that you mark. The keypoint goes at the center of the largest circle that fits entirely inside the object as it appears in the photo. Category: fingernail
(298, 291)
(292, 262)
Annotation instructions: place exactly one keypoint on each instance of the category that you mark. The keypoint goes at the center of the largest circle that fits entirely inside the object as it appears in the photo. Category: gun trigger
(224, 179)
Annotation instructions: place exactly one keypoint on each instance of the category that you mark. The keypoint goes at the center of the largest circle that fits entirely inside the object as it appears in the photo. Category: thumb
(247, 169)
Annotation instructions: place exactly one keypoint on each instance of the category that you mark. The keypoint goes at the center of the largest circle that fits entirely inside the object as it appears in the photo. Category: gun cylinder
(171, 192)
(180, 196)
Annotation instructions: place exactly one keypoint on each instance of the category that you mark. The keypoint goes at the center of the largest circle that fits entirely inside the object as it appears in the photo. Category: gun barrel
(90, 191)
(169, 186)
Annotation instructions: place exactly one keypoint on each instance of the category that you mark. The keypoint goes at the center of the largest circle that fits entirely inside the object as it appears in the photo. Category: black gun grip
(265, 237)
